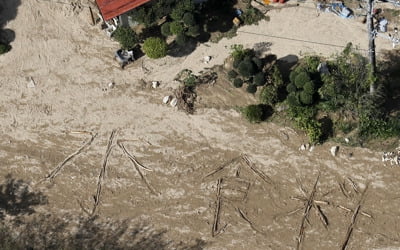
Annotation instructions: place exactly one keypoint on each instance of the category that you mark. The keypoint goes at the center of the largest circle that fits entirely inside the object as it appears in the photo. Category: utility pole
(371, 45)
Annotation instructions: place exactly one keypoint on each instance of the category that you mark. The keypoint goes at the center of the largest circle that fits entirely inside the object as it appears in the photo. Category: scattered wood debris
(103, 172)
(137, 164)
(215, 229)
(59, 167)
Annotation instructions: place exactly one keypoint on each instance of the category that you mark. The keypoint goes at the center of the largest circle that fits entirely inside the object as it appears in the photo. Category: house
(110, 9)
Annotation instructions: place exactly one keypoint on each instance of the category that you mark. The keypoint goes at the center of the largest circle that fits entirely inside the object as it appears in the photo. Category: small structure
(110, 9)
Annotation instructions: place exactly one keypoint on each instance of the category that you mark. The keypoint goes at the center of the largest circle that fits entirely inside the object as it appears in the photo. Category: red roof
(112, 8)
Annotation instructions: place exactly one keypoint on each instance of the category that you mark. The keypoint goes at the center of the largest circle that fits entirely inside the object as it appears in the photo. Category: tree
(166, 29)
(176, 28)
(251, 88)
(126, 37)
(238, 83)
(155, 47)
(247, 68)
(259, 79)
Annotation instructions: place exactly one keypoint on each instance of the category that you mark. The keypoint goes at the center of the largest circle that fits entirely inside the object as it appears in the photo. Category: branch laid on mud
(222, 167)
(103, 172)
(131, 157)
(136, 164)
(215, 229)
(353, 220)
(321, 215)
(308, 207)
(263, 176)
(244, 217)
(57, 169)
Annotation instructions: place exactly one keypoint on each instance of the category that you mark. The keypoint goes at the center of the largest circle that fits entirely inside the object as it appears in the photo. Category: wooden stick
(343, 189)
(135, 164)
(215, 230)
(103, 172)
(321, 215)
(57, 169)
(353, 184)
(244, 217)
(221, 167)
(353, 220)
(295, 211)
(306, 214)
(131, 157)
(263, 176)
(350, 210)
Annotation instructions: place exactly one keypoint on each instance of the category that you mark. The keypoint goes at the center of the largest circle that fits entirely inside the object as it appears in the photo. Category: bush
(291, 88)
(259, 79)
(300, 79)
(176, 28)
(238, 83)
(155, 47)
(305, 98)
(193, 31)
(251, 88)
(181, 39)
(166, 29)
(4, 48)
(269, 95)
(126, 37)
(253, 113)
(232, 74)
(276, 76)
(309, 87)
(188, 19)
(293, 99)
(252, 16)
(181, 8)
(247, 68)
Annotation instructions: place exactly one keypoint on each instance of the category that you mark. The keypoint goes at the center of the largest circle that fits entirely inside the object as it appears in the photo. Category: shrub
(301, 78)
(251, 88)
(252, 16)
(4, 48)
(181, 39)
(166, 29)
(269, 95)
(193, 31)
(188, 19)
(181, 8)
(155, 47)
(259, 79)
(190, 81)
(305, 98)
(238, 52)
(276, 76)
(247, 68)
(237, 82)
(291, 88)
(176, 28)
(293, 99)
(232, 74)
(309, 87)
(253, 113)
(126, 37)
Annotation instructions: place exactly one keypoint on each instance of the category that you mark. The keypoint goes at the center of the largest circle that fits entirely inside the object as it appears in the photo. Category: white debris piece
(346, 140)
(174, 102)
(31, 83)
(111, 85)
(207, 59)
(155, 84)
(311, 149)
(166, 99)
(334, 150)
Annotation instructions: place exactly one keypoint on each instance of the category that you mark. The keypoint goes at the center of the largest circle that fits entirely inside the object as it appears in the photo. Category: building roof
(112, 8)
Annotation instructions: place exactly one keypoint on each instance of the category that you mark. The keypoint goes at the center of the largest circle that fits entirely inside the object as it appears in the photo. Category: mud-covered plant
(238, 83)
(155, 47)
(253, 113)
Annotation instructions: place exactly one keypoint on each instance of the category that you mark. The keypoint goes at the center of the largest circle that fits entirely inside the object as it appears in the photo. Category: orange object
(266, 2)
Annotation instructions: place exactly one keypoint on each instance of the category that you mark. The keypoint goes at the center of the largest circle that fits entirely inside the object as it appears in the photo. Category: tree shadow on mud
(17, 199)
(47, 231)
(8, 12)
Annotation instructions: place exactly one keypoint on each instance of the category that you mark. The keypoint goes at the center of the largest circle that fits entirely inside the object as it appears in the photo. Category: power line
(297, 40)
